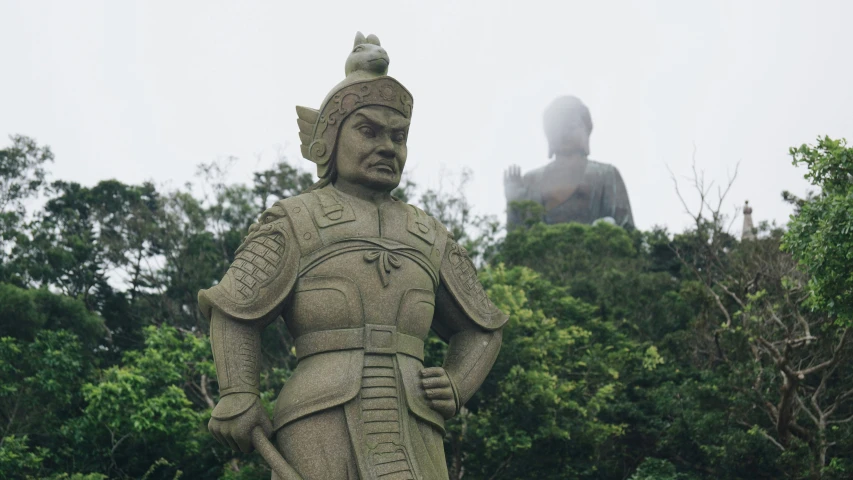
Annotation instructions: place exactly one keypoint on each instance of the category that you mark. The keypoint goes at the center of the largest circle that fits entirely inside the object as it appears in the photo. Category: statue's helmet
(366, 84)
(567, 121)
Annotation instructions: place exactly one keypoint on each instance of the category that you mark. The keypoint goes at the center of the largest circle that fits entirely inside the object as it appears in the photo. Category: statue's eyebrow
(366, 116)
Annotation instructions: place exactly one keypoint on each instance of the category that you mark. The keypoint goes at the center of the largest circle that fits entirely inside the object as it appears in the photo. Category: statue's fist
(513, 184)
(234, 418)
(439, 392)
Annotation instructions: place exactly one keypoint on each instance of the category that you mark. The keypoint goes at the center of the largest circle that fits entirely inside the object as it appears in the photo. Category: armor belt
(383, 339)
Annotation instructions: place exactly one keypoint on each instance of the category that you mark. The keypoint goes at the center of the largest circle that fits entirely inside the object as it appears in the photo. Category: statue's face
(568, 126)
(371, 149)
(573, 135)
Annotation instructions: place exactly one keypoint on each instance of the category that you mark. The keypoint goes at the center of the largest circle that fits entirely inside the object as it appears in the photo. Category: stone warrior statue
(572, 188)
(359, 278)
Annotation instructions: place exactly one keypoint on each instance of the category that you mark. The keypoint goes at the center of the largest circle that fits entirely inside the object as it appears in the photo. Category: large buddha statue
(572, 188)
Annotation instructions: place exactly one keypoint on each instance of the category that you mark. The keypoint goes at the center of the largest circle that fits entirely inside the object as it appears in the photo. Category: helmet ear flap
(307, 120)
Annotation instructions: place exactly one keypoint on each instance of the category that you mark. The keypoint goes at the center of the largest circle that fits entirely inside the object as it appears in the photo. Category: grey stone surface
(359, 278)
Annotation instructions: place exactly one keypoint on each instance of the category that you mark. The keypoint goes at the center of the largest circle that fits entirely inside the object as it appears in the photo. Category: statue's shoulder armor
(264, 270)
(432, 236)
(459, 277)
(424, 226)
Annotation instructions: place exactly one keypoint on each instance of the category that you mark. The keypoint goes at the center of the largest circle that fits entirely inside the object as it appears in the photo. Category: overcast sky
(148, 90)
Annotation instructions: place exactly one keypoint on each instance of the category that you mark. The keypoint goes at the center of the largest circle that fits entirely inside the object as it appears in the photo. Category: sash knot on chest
(385, 262)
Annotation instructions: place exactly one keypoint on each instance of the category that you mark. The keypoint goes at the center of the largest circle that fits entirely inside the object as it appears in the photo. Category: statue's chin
(381, 181)
(383, 186)
(570, 150)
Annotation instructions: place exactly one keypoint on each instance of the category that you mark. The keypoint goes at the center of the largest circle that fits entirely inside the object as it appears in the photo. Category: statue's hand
(439, 392)
(234, 418)
(514, 188)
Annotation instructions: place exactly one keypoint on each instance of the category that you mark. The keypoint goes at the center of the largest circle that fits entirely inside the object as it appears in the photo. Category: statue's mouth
(384, 167)
(379, 60)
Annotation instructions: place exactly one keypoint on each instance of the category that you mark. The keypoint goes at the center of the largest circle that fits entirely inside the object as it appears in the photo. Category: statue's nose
(386, 151)
(386, 148)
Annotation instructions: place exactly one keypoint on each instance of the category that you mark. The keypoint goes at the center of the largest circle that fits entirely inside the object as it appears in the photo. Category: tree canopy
(628, 355)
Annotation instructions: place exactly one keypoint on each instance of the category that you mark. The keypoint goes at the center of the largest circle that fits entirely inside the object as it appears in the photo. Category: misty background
(148, 90)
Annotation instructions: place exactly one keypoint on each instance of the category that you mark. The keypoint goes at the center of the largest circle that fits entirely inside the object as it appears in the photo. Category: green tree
(42, 379)
(783, 364)
(820, 234)
(685, 356)
(147, 415)
(22, 176)
(546, 410)
(281, 181)
(447, 202)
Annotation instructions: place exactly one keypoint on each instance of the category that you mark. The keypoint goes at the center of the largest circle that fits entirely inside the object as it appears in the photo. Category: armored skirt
(371, 437)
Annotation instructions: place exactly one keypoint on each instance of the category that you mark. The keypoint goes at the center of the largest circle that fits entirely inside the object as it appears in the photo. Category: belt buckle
(380, 339)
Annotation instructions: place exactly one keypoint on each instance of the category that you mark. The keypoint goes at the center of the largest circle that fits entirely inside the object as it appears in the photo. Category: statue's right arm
(236, 354)
(514, 186)
(515, 189)
(249, 297)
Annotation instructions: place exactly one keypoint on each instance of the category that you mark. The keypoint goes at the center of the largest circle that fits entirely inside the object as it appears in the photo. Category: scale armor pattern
(256, 262)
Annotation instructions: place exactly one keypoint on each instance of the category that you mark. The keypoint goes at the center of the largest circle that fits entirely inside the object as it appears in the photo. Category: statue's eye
(367, 131)
(358, 48)
(399, 137)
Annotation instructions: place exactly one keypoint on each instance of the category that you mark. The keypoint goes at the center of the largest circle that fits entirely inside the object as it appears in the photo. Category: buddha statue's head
(568, 126)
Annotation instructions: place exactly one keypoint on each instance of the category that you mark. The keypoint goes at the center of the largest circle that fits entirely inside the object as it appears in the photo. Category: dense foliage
(628, 355)
(821, 235)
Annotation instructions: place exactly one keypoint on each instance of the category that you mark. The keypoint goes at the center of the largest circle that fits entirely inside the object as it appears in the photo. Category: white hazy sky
(148, 90)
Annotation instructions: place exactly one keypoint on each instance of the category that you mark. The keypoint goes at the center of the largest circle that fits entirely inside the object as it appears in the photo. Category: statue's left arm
(469, 322)
(621, 203)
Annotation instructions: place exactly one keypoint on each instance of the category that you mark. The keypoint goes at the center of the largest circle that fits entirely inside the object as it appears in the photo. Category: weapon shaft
(267, 450)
